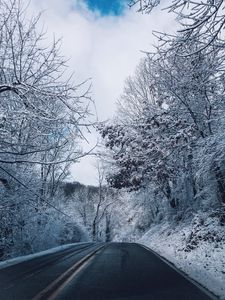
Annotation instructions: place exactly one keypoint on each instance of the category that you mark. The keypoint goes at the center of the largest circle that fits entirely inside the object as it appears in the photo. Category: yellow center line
(66, 282)
(54, 288)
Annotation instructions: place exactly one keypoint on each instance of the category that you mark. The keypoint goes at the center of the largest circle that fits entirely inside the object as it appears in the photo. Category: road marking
(54, 288)
(61, 255)
(185, 275)
(61, 287)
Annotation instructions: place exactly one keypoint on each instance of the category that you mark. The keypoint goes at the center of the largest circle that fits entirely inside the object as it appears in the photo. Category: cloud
(106, 48)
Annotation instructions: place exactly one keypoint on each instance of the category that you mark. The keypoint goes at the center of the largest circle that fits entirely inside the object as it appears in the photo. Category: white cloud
(107, 49)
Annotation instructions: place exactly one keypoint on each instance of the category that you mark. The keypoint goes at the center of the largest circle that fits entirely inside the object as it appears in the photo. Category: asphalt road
(97, 272)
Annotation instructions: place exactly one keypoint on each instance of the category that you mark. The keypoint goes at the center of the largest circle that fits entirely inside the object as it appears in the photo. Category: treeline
(168, 135)
(94, 208)
(42, 116)
(76, 213)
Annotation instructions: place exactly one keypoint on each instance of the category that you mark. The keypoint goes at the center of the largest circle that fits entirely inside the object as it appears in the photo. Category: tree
(40, 110)
(167, 108)
(202, 21)
(102, 204)
(93, 206)
(42, 116)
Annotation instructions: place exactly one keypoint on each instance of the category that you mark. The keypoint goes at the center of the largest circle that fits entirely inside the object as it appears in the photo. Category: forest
(160, 159)
(168, 131)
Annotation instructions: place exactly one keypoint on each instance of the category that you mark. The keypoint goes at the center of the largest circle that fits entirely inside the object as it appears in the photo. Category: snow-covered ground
(14, 261)
(197, 248)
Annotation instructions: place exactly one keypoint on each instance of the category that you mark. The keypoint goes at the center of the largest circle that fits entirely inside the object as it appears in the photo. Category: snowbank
(20, 259)
(197, 248)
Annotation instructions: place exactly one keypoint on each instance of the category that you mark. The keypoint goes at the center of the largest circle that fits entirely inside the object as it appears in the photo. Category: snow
(20, 259)
(196, 249)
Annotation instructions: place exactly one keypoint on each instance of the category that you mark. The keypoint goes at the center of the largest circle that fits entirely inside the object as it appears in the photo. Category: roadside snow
(197, 248)
(17, 260)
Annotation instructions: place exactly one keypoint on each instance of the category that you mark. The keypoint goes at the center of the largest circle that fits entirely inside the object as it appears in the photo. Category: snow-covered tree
(201, 20)
(41, 109)
(42, 116)
(170, 106)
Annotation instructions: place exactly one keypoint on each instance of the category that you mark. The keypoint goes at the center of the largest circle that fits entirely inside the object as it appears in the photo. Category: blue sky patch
(108, 7)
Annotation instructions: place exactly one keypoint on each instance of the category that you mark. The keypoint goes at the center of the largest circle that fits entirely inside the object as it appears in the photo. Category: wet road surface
(97, 272)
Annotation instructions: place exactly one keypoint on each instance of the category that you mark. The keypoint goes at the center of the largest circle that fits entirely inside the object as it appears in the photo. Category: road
(97, 272)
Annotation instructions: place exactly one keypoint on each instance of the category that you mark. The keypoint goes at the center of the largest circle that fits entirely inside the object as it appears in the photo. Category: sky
(107, 7)
(104, 41)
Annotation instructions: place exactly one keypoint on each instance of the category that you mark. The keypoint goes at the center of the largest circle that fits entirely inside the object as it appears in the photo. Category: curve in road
(98, 272)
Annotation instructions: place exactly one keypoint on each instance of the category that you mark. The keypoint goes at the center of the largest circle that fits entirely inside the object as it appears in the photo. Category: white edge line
(181, 272)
